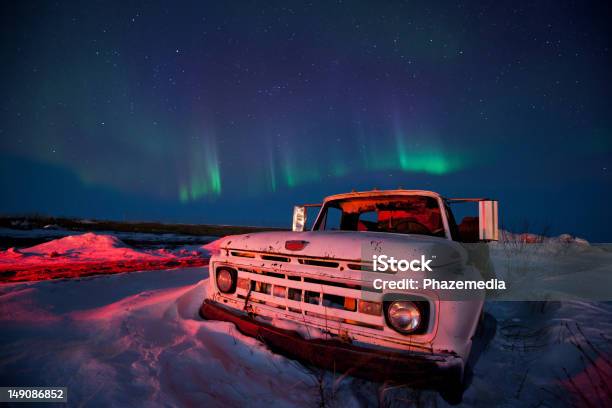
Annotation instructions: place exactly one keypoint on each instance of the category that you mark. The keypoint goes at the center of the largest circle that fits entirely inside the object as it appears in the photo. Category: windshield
(413, 214)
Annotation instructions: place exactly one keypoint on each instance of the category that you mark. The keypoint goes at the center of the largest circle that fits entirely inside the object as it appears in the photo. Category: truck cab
(401, 211)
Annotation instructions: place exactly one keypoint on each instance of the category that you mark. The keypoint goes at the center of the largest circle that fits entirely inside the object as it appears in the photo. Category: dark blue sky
(232, 113)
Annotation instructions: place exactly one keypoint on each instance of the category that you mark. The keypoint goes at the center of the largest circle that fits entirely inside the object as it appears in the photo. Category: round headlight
(226, 280)
(404, 316)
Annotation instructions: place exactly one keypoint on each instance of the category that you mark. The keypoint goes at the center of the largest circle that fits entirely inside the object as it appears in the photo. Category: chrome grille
(324, 299)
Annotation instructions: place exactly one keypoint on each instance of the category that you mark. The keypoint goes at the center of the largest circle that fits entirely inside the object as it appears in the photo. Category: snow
(88, 248)
(556, 268)
(135, 339)
(51, 231)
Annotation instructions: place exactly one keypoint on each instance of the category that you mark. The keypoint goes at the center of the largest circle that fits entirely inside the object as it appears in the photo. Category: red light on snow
(295, 245)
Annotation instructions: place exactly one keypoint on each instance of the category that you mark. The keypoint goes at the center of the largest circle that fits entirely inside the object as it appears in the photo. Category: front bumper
(425, 370)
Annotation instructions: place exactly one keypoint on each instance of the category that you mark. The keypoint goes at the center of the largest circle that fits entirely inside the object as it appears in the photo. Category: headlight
(404, 316)
(226, 280)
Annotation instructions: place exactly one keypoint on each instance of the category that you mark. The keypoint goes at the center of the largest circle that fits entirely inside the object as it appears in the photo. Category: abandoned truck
(310, 294)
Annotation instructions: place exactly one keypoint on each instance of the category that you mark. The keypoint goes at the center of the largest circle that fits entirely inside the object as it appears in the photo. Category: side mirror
(299, 218)
(488, 228)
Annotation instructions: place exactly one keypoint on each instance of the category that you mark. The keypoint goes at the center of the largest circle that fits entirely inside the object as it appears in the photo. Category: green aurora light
(205, 174)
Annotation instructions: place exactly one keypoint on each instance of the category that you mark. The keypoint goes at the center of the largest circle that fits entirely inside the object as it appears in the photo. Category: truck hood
(350, 245)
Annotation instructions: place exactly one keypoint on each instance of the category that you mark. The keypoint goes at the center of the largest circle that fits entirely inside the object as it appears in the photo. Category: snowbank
(85, 246)
(49, 232)
(530, 238)
(89, 253)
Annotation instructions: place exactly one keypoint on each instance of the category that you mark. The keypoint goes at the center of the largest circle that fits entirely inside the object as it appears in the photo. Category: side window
(333, 219)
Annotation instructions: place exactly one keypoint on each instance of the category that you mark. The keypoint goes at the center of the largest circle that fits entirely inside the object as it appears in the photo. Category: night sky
(232, 113)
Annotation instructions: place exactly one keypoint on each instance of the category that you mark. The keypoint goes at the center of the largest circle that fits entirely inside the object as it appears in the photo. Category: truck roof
(380, 193)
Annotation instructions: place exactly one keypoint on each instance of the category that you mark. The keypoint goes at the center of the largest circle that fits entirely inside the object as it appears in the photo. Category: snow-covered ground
(54, 232)
(89, 253)
(136, 339)
(89, 247)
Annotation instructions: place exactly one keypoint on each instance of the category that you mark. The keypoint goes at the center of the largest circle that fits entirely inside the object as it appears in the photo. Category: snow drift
(136, 340)
(87, 254)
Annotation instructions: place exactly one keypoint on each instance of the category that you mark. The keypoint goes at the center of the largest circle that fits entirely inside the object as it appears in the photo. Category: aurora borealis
(231, 113)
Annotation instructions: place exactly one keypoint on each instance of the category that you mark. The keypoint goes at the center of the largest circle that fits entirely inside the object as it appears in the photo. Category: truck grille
(325, 299)
(325, 293)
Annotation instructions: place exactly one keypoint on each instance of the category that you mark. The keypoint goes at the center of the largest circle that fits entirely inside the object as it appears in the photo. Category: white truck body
(287, 286)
